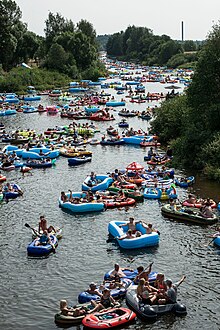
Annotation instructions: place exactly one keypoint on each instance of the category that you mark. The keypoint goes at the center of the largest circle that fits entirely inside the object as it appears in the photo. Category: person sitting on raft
(43, 226)
(161, 287)
(93, 289)
(191, 199)
(120, 196)
(114, 284)
(44, 240)
(146, 293)
(68, 311)
(150, 152)
(142, 273)
(206, 211)
(92, 180)
(129, 235)
(155, 159)
(171, 294)
(131, 225)
(118, 271)
(106, 301)
(64, 198)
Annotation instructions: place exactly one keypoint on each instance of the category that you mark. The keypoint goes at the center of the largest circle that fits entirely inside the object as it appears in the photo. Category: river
(32, 287)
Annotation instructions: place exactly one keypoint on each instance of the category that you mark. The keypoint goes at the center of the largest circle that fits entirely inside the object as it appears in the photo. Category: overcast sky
(110, 16)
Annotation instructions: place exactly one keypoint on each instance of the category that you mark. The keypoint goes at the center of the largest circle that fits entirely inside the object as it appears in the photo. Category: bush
(18, 79)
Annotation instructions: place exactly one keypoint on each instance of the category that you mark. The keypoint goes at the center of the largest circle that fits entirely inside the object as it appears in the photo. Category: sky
(111, 16)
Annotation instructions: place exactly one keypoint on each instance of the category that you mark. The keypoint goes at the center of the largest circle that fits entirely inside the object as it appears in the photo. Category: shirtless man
(43, 226)
(131, 225)
(117, 271)
(143, 273)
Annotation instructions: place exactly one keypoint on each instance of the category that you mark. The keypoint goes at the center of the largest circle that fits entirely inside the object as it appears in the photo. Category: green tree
(114, 44)
(167, 50)
(189, 46)
(10, 19)
(87, 28)
(55, 25)
(27, 46)
(83, 51)
(206, 81)
(56, 58)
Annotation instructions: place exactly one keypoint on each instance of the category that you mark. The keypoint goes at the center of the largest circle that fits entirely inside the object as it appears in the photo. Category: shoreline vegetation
(191, 122)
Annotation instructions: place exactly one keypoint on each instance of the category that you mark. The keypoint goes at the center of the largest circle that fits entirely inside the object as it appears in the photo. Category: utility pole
(182, 32)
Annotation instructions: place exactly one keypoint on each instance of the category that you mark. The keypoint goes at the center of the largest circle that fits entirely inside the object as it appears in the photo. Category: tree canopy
(140, 44)
(191, 123)
(67, 47)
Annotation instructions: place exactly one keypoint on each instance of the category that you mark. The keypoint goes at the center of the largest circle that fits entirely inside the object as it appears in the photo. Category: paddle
(34, 230)
(210, 242)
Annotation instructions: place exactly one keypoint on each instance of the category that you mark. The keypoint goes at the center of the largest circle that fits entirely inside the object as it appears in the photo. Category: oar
(34, 230)
(210, 242)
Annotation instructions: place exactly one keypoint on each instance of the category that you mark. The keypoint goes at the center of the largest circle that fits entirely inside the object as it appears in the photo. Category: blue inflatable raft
(81, 207)
(41, 250)
(101, 182)
(145, 240)
(116, 293)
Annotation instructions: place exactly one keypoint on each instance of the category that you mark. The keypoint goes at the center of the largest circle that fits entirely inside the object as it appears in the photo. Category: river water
(32, 287)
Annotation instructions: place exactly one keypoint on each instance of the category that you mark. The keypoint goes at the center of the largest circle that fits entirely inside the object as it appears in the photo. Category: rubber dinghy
(131, 274)
(187, 215)
(101, 182)
(41, 250)
(111, 318)
(81, 207)
(145, 240)
(151, 311)
(64, 320)
(217, 241)
(116, 293)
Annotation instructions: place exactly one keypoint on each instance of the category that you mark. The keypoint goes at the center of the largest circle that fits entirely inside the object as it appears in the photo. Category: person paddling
(43, 226)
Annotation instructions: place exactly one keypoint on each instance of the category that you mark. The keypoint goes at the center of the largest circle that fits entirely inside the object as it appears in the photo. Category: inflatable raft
(187, 215)
(41, 250)
(101, 182)
(111, 318)
(63, 320)
(112, 142)
(116, 293)
(145, 240)
(112, 203)
(185, 183)
(79, 160)
(152, 193)
(198, 204)
(81, 207)
(151, 311)
(217, 241)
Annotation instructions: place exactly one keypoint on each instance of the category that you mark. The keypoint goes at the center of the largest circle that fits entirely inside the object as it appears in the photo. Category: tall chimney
(182, 32)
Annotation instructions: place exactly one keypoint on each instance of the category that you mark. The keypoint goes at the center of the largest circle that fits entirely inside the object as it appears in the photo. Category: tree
(189, 46)
(87, 28)
(82, 50)
(56, 58)
(114, 44)
(27, 46)
(206, 81)
(10, 19)
(55, 25)
(167, 50)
